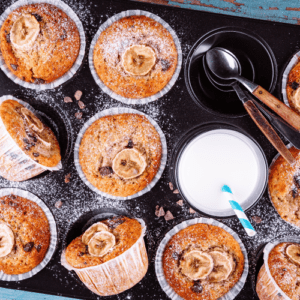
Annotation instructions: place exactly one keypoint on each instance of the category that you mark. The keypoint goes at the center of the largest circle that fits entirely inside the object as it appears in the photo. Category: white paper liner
(53, 234)
(69, 74)
(131, 263)
(269, 194)
(160, 251)
(267, 250)
(116, 111)
(294, 60)
(24, 164)
(107, 90)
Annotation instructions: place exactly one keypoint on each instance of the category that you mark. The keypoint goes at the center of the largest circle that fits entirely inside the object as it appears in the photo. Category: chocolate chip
(68, 100)
(38, 17)
(15, 248)
(8, 37)
(165, 64)
(294, 85)
(80, 253)
(160, 212)
(130, 144)
(294, 193)
(31, 136)
(86, 249)
(38, 248)
(175, 255)
(284, 269)
(13, 197)
(297, 181)
(123, 162)
(14, 67)
(104, 171)
(81, 105)
(28, 247)
(171, 186)
(78, 115)
(115, 222)
(256, 219)
(197, 287)
(39, 81)
(180, 202)
(78, 95)
(168, 216)
(35, 154)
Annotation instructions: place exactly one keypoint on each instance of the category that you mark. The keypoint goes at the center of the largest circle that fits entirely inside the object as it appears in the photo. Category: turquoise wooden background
(286, 11)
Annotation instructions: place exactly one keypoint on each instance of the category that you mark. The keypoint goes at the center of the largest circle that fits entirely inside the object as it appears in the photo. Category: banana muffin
(284, 267)
(39, 43)
(110, 256)
(284, 188)
(20, 126)
(293, 88)
(202, 262)
(120, 154)
(24, 235)
(135, 57)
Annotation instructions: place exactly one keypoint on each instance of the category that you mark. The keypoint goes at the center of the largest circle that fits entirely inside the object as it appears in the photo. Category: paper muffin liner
(294, 60)
(273, 288)
(120, 273)
(53, 234)
(69, 74)
(116, 111)
(160, 251)
(106, 89)
(21, 163)
(269, 194)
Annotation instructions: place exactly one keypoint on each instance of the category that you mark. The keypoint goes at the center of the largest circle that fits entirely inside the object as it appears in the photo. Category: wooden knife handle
(280, 108)
(268, 131)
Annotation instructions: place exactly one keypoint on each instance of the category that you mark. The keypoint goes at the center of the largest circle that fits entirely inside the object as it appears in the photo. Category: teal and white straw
(238, 211)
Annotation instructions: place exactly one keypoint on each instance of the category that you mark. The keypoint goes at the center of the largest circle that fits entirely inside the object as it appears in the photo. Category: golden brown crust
(204, 237)
(284, 189)
(126, 233)
(29, 224)
(113, 42)
(293, 77)
(15, 124)
(55, 49)
(108, 136)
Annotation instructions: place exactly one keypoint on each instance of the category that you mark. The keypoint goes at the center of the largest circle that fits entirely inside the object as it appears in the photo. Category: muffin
(284, 268)
(284, 188)
(293, 87)
(120, 154)
(27, 146)
(24, 235)
(39, 43)
(110, 256)
(202, 262)
(135, 57)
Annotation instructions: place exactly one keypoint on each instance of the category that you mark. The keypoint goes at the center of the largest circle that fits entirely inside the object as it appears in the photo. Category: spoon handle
(268, 131)
(280, 108)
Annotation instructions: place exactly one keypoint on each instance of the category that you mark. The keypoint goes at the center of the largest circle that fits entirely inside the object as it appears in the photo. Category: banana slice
(296, 97)
(24, 32)
(101, 243)
(33, 122)
(7, 240)
(129, 163)
(196, 264)
(223, 266)
(138, 60)
(97, 227)
(293, 252)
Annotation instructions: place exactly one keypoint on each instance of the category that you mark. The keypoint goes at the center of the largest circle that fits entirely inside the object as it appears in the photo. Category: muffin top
(284, 188)
(103, 241)
(24, 235)
(284, 266)
(31, 135)
(135, 57)
(202, 262)
(293, 87)
(120, 154)
(39, 42)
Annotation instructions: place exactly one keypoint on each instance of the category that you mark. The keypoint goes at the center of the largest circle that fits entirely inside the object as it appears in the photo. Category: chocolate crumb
(58, 204)
(81, 105)
(168, 216)
(68, 100)
(38, 248)
(35, 154)
(176, 192)
(67, 178)
(78, 115)
(130, 144)
(197, 287)
(104, 171)
(160, 212)
(14, 67)
(39, 81)
(192, 211)
(294, 85)
(256, 219)
(28, 247)
(171, 186)
(86, 249)
(78, 95)
(38, 17)
(180, 202)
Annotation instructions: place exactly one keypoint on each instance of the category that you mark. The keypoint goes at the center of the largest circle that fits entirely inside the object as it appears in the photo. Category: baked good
(110, 257)
(26, 144)
(202, 262)
(284, 266)
(24, 235)
(293, 87)
(39, 42)
(135, 57)
(120, 154)
(284, 188)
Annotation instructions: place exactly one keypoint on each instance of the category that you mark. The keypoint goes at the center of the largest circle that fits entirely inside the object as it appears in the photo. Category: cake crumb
(192, 211)
(171, 186)
(176, 192)
(67, 178)
(68, 100)
(160, 212)
(180, 202)
(78, 115)
(168, 216)
(256, 219)
(81, 105)
(58, 204)
(78, 95)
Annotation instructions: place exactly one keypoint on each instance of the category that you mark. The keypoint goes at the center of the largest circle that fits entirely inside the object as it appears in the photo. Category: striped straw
(238, 211)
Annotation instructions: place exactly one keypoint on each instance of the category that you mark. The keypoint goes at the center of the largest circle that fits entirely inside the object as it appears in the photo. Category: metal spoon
(224, 65)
